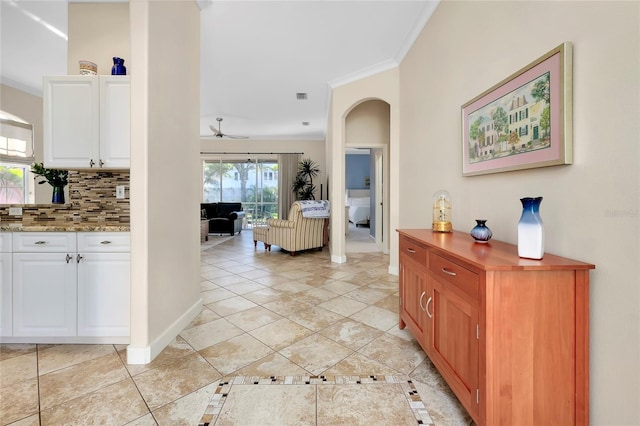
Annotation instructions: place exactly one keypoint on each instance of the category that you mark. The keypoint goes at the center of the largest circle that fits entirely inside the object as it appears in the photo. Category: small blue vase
(58, 195)
(481, 233)
(118, 67)
(531, 229)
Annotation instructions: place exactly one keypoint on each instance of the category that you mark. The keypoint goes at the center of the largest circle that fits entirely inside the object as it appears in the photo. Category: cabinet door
(104, 294)
(115, 117)
(71, 121)
(5, 295)
(453, 347)
(44, 294)
(413, 296)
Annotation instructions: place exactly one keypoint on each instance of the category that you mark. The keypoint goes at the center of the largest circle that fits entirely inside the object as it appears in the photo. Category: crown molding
(363, 73)
(416, 30)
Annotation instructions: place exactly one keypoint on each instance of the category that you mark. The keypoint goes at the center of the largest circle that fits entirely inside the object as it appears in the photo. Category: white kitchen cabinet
(87, 122)
(44, 284)
(104, 267)
(6, 312)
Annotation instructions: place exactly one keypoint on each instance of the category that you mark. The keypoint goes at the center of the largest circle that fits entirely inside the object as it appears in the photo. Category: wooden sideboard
(509, 335)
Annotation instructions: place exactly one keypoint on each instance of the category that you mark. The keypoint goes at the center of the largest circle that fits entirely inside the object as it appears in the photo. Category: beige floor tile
(377, 317)
(216, 295)
(33, 420)
(207, 285)
(18, 401)
(361, 365)
(444, 408)
(394, 352)
(366, 404)
(390, 303)
(292, 287)
(169, 382)
(228, 280)
(288, 304)
(252, 405)
(343, 305)
(316, 353)
(272, 280)
(118, 403)
(367, 295)
(245, 287)
(146, 420)
(253, 318)
(69, 383)
(351, 334)
(340, 287)
(176, 350)
(205, 335)
(280, 334)
(273, 364)
(254, 274)
(205, 316)
(315, 318)
(214, 274)
(263, 296)
(18, 369)
(62, 356)
(231, 306)
(13, 350)
(187, 410)
(234, 354)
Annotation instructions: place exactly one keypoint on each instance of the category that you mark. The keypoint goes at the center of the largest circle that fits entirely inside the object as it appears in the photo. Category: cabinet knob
(39, 243)
(101, 163)
(91, 162)
(68, 258)
(105, 242)
(78, 258)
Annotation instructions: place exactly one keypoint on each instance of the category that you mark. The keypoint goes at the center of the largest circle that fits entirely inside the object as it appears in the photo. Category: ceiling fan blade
(215, 131)
(236, 137)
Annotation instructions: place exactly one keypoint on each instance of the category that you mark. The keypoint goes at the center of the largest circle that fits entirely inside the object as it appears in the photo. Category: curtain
(287, 170)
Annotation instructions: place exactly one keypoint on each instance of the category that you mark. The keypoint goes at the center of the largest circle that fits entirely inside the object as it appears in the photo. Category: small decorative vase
(58, 195)
(531, 229)
(118, 67)
(481, 233)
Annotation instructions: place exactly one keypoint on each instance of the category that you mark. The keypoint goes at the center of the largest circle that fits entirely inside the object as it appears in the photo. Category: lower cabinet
(6, 289)
(70, 287)
(510, 336)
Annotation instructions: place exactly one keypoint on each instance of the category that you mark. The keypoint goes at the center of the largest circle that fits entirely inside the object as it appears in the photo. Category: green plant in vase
(58, 179)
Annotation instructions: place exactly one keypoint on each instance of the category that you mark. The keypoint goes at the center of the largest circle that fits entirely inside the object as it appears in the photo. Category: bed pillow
(360, 201)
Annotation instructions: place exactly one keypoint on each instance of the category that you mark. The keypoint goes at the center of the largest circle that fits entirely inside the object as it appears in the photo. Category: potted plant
(58, 179)
(303, 185)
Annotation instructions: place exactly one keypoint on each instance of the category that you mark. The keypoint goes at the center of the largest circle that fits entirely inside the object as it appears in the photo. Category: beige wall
(98, 32)
(382, 86)
(591, 208)
(165, 172)
(368, 124)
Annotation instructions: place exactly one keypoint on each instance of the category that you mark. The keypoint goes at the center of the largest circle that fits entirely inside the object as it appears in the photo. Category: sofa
(224, 218)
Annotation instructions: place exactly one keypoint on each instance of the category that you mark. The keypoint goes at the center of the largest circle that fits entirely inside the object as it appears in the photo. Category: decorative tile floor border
(225, 385)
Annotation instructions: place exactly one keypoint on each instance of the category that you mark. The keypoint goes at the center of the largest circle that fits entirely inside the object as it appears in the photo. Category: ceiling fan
(218, 132)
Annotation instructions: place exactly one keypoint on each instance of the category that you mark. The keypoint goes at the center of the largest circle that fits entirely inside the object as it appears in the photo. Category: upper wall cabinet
(87, 122)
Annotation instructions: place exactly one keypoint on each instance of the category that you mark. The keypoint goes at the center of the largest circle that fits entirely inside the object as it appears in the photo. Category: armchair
(295, 234)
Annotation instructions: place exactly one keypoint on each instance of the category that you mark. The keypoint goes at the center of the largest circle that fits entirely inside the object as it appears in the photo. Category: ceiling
(256, 55)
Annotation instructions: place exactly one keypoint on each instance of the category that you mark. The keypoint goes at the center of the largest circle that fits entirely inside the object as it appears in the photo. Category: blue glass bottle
(118, 67)
(531, 229)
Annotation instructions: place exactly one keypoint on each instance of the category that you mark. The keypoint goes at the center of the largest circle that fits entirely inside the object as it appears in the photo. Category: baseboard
(338, 259)
(146, 354)
(393, 270)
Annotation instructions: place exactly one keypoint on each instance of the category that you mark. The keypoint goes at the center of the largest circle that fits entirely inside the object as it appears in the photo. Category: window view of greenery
(254, 183)
(13, 188)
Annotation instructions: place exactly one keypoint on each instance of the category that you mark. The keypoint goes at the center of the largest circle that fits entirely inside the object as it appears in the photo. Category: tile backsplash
(92, 200)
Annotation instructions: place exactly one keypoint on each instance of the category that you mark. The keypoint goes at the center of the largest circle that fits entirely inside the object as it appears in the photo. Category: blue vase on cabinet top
(118, 67)
(481, 233)
(531, 229)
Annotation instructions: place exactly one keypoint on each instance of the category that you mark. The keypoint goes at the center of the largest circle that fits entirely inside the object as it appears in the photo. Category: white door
(5, 295)
(71, 121)
(44, 294)
(115, 118)
(104, 294)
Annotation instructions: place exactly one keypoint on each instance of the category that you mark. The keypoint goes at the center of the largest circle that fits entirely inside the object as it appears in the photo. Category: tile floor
(265, 314)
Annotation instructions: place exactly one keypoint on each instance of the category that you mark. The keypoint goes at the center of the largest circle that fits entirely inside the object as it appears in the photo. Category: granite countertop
(80, 227)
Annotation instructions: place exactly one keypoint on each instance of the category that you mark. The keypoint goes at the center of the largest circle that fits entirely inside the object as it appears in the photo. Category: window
(16, 156)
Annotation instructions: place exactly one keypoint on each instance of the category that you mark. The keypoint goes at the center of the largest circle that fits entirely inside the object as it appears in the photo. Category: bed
(359, 203)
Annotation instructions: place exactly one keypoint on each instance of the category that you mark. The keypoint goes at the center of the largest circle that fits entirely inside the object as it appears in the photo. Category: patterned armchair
(296, 233)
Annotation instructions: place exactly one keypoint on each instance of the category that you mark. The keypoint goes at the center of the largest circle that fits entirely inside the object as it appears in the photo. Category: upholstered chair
(296, 233)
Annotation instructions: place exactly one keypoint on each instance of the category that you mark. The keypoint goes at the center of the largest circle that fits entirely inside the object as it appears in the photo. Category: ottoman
(260, 234)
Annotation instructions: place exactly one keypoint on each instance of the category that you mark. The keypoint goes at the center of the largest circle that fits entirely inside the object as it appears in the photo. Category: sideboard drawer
(44, 242)
(413, 249)
(455, 274)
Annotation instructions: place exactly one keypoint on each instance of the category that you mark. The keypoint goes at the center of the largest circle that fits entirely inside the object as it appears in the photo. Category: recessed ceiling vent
(301, 96)
(305, 123)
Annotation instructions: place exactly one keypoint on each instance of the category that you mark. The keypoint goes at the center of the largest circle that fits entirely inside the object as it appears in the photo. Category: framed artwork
(523, 122)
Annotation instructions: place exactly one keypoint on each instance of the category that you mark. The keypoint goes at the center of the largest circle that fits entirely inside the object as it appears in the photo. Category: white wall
(591, 209)
(165, 189)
